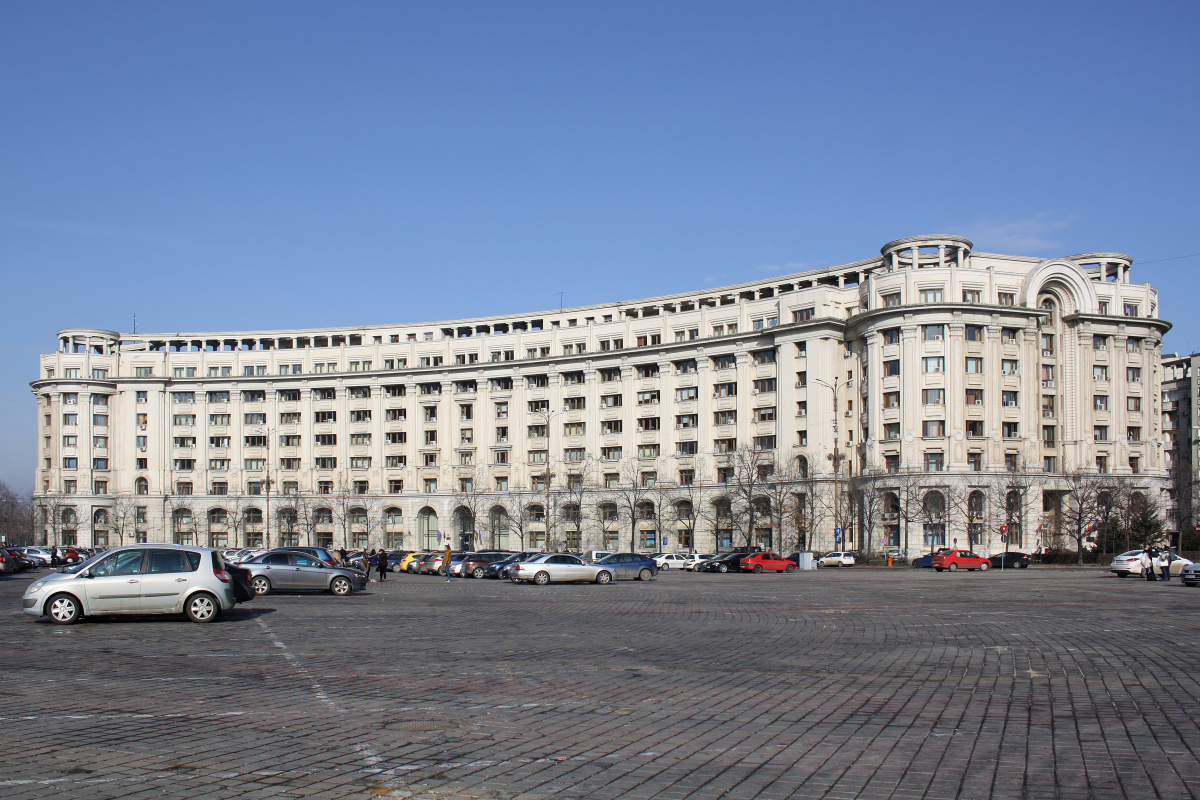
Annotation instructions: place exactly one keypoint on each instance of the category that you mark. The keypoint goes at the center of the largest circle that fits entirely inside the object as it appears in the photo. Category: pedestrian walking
(446, 561)
(341, 554)
(382, 565)
(54, 556)
(1164, 564)
(1147, 563)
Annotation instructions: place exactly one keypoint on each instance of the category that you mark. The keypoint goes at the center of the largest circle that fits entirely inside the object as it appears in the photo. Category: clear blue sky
(217, 166)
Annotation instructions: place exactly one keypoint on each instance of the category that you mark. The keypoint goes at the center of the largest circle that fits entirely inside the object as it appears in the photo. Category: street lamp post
(836, 457)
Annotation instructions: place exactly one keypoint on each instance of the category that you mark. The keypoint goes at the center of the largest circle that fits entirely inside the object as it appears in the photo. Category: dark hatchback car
(1010, 560)
(630, 566)
(499, 569)
(726, 562)
(475, 564)
(927, 559)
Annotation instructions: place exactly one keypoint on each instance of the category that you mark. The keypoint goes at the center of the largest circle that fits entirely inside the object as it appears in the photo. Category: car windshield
(538, 558)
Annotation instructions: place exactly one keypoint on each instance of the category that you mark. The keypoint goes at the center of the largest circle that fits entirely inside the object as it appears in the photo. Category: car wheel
(645, 575)
(514, 579)
(477, 572)
(985, 566)
(757, 568)
(603, 577)
(1122, 574)
(665, 565)
(202, 607)
(63, 609)
(340, 586)
(939, 569)
(1024, 565)
(542, 578)
(723, 568)
(260, 585)
(954, 567)
(1189, 583)
(395, 568)
(790, 568)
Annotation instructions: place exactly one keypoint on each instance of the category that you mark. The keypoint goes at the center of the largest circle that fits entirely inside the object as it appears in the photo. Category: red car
(960, 559)
(757, 562)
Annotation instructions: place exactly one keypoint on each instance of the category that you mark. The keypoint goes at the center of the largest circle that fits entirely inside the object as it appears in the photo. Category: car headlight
(33, 587)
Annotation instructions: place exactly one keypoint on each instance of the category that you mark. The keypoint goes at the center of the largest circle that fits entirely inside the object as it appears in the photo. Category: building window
(975, 428)
(975, 462)
(972, 296)
(1133, 374)
(1100, 402)
(931, 295)
(974, 365)
(891, 431)
(1049, 464)
(890, 300)
(929, 397)
(891, 369)
(934, 462)
(1006, 299)
(974, 333)
(803, 314)
(1099, 372)
(933, 333)
(1011, 430)
(1100, 433)
(933, 364)
(1008, 366)
(933, 428)
(974, 397)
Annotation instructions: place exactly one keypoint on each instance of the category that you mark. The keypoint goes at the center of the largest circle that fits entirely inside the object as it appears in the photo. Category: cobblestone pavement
(829, 684)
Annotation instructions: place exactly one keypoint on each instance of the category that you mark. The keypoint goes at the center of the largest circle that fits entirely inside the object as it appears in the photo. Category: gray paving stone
(854, 683)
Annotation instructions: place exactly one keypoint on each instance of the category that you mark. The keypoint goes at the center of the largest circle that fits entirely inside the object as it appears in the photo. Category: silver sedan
(558, 568)
(291, 571)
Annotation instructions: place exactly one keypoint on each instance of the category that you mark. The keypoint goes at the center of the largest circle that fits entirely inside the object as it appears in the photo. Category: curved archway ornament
(1075, 287)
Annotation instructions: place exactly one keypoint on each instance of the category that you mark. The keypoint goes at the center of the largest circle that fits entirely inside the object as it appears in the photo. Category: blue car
(927, 560)
(628, 566)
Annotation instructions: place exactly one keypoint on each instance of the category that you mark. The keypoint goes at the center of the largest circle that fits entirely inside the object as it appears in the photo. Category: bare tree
(869, 497)
(752, 470)
(693, 501)
(52, 508)
(341, 503)
(1082, 496)
(1018, 487)
(16, 517)
(578, 486)
(809, 507)
(520, 522)
(123, 517)
(628, 496)
(908, 484)
(1182, 490)
(470, 494)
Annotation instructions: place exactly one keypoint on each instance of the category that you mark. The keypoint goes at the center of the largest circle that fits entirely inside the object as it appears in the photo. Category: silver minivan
(137, 579)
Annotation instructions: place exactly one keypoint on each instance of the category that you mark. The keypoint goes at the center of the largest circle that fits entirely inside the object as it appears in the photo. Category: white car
(836, 559)
(670, 560)
(1130, 563)
(136, 579)
(694, 560)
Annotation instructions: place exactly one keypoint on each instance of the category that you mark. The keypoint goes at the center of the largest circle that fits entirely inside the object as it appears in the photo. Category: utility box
(805, 561)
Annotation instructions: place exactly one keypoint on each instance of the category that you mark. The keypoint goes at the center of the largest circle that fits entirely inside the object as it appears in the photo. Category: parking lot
(847, 683)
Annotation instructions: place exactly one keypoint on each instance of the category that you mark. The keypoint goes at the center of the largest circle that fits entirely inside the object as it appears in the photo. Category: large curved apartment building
(671, 422)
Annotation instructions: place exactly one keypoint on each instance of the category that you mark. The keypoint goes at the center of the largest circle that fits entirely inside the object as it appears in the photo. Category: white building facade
(928, 368)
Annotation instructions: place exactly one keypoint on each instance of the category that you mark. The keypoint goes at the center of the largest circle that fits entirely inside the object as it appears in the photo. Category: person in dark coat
(382, 566)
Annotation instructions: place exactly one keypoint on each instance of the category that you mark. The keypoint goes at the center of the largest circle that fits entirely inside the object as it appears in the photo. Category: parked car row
(1130, 563)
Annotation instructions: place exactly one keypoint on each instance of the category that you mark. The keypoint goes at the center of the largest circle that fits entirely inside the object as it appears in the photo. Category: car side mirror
(86, 574)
